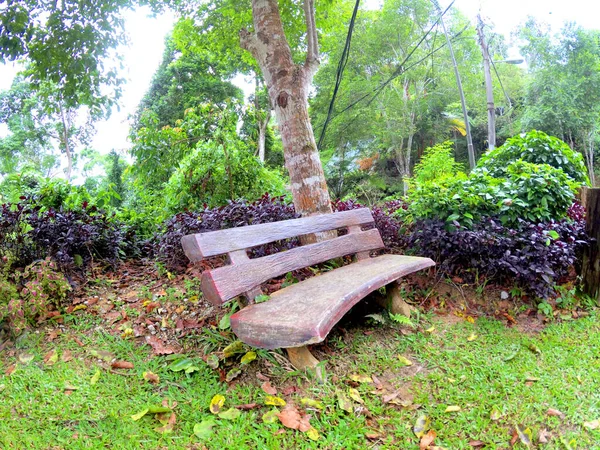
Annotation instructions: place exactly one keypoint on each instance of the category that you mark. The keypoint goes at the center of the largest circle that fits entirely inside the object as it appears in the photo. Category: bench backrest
(245, 275)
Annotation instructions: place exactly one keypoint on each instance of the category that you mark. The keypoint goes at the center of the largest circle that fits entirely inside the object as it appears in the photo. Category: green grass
(37, 413)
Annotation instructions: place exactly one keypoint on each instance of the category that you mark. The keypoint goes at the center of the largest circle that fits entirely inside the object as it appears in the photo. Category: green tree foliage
(538, 148)
(563, 96)
(159, 150)
(114, 177)
(437, 164)
(219, 170)
(182, 81)
(39, 120)
(401, 115)
(67, 43)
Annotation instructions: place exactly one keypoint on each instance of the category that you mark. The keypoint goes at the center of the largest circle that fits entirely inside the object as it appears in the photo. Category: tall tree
(288, 84)
(185, 80)
(40, 120)
(563, 96)
(68, 43)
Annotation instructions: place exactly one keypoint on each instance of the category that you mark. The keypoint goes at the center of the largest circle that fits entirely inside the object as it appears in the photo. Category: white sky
(147, 35)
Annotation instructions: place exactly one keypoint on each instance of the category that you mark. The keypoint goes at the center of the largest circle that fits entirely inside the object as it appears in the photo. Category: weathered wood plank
(212, 243)
(224, 283)
(304, 313)
(591, 253)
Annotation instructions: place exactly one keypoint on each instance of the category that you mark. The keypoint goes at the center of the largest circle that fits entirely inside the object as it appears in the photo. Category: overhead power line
(400, 69)
(340, 72)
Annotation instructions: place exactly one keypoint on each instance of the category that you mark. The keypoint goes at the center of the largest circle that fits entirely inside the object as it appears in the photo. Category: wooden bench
(303, 313)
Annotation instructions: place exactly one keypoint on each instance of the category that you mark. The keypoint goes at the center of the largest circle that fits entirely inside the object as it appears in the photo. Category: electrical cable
(399, 71)
(340, 72)
(408, 68)
(501, 85)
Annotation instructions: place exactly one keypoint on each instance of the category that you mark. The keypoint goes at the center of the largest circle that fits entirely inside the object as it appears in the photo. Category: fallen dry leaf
(168, 426)
(51, 358)
(372, 435)
(476, 444)
(53, 334)
(268, 388)
(151, 377)
(427, 440)
(555, 413)
(10, 370)
(216, 404)
(122, 365)
(158, 347)
(66, 356)
(289, 390)
(290, 417)
(421, 426)
(452, 408)
(544, 436)
(247, 406)
(262, 377)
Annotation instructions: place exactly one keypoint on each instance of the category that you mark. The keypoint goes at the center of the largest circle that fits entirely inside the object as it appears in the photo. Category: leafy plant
(437, 164)
(534, 192)
(43, 287)
(535, 147)
(30, 231)
(216, 172)
(526, 254)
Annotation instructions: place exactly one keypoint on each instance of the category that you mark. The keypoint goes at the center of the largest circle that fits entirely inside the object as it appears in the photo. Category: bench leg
(301, 358)
(394, 302)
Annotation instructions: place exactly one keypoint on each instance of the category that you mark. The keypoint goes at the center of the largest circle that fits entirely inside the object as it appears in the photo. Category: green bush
(462, 199)
(538, 148)
(218, 171)
(43, 288)
(437, 164)
(532, 192)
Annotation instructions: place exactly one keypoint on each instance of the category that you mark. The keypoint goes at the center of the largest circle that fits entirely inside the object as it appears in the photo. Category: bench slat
(212, 243)
(304, 313)
(224, 283)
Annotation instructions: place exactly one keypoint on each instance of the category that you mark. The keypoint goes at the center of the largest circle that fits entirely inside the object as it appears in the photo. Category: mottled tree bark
(288, 84)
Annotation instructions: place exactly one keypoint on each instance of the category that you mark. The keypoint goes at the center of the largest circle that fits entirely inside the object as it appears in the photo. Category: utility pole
(470, 149)
(488, 86)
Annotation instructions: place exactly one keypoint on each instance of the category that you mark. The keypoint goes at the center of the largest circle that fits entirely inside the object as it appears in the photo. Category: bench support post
(301, 358)
(394, 302)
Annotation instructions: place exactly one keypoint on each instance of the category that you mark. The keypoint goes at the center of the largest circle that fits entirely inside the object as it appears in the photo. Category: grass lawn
(60, 392)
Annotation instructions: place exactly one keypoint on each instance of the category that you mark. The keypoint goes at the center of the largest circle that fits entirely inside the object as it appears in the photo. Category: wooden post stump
(302, 359)
(394, 302)
(591, 255)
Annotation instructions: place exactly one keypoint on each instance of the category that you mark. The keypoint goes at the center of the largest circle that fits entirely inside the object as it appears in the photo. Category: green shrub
(462, 199)
(538, 148)
(216, 172)
(437, 164)
(43, 288)
(534, 192)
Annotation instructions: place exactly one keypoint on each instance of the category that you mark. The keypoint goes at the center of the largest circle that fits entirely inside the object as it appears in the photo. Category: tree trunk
(591, 255)
(288, 84)
(261, 122)
(262, 135)
(65, 142)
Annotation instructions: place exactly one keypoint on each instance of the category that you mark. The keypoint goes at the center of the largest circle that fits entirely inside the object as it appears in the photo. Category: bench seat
(305, 312)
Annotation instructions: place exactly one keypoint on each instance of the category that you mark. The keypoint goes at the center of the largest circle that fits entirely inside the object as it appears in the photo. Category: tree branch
(312, 54)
